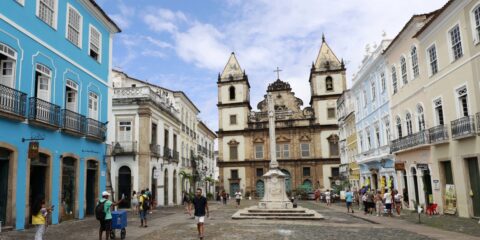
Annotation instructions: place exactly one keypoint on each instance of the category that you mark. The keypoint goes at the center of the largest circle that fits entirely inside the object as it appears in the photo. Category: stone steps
(277, 214)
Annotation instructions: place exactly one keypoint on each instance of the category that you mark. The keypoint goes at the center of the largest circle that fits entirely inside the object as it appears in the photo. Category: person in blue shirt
(349, 200)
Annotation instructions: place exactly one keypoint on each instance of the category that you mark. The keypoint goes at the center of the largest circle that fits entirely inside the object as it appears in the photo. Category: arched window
(231, 92)
(394, 80)
(414, 56)
(399, 127)
(403, 68)
(333, 142)
(421, 118)
(329, 83)
(408, 121)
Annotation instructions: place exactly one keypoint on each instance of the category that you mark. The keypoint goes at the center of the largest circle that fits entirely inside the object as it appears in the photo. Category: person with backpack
(103, 213)
(144, 203)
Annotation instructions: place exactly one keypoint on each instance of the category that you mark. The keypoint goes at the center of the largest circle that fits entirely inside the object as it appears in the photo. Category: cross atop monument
(278, 72)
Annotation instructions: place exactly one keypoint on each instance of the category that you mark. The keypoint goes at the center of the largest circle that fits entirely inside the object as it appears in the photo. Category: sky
(183, 45)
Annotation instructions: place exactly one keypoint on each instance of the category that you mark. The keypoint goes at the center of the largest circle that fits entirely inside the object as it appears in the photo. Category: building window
(234, 174)
(377, 135)
(462, 101)
(408, 121)
(306, 171)
(259, 151)
(282, 150)
(387, 131)
(414, 56)
(333, 144)
(438, 111)
(421, 118)
(231, 93)
(369, 139)
(476, 16)
(93, 105)
(403, 69)
(374, 93)
(335, 172)
(74, 27)
(331, 113)
(233, 152)
(305, 149)
(382, 79)
(365, 98)
(259, 172)
(329, 83)
(456, 42)
(46, 11)
(233, 119)
(124, 131)
(71, 93)
(394, 80)
(43, 77)
(361, 141)
(432, 56)
(95, 44)
(399, 127)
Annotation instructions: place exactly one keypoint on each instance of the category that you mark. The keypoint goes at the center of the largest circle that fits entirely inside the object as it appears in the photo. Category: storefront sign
(399, 166)
(436, 185)
(33, 150)
(422, 166)
(450, 199)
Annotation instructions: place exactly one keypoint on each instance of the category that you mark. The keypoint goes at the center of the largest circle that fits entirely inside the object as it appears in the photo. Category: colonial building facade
(55, 60)
(307, 137)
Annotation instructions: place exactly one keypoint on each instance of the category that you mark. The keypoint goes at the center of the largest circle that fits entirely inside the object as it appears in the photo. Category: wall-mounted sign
(156, 174)
(399, 166)
(436, 185)
(422, 166)
(33, 150)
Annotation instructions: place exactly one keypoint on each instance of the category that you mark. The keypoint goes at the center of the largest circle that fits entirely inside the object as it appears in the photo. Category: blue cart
(119, 221)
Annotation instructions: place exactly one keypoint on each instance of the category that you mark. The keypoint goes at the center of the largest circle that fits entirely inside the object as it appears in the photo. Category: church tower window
(231, 93)
(329, 83)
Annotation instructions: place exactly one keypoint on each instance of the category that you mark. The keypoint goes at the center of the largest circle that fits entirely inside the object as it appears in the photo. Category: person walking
(387, 198)
(224, 197)
(238, 197)
(398, 202)
(378, 199)
(200, 204)
(39, 217)
(317, 195)
(349, 200)
(134, 202)
(144, 207)
(328, 196)
(105, 215)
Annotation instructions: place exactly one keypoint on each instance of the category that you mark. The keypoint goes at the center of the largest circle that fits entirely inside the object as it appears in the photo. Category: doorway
(374, 182)
(92, 190)
(405, 186)
(427, 183)
(174, 187)
(474, 177)
(154, 187)
(260, 188)
(4, 175)
(38, 179)
(69, 193)
(165, 188)
(124, 186)
(415, 184)
(234, 187)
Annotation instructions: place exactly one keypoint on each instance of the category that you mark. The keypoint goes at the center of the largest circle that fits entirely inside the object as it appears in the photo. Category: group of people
(378, 201)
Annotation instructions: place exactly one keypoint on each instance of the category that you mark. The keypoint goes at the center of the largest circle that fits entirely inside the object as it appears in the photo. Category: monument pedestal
(275, 196)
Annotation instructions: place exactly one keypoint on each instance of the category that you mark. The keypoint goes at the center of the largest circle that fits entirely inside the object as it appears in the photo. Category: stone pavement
(172, 223)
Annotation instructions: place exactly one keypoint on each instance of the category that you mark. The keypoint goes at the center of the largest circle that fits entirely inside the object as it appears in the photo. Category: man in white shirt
(387, 197)
(238, 197)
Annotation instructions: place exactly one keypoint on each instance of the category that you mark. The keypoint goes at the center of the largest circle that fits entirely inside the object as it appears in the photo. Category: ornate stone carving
(279, 85)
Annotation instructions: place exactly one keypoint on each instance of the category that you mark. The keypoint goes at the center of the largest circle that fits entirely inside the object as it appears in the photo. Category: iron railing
(438, 134)
(12, 101)
(478, 122)
(44, 111)
(155, 149)
(124, 148)
(167, 153)
(463, 127)
(176, 156)
(73, 121)
(96, 129)
(411, 141)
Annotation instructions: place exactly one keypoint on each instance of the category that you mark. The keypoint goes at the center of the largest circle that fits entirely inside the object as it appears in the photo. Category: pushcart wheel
(112, 234)
(123, 233)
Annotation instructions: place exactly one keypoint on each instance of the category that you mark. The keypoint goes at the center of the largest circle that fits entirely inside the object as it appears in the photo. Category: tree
(186, 177)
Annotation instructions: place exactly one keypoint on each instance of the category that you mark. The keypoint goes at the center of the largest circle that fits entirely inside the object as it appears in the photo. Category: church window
(306, 171)
(231, 93)
(234, 174)
(233, 152)
(259, 172)
(333, 143)
(283, 150)
(305, 149)
(329, 83)
(259, 151)
(233, 119)
(331, 113)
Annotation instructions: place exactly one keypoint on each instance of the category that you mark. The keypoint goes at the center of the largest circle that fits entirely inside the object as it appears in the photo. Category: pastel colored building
(55, 59)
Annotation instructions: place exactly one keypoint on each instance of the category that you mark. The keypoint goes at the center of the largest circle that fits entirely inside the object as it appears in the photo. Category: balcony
(96, 130)
(416, 140)
(73, 123)
(124, 148)
(463, 127)
(478, 122)
(155, 150)
(438, 134)
(176, 156)
(13, 103)
(167, 153)
(43, 113)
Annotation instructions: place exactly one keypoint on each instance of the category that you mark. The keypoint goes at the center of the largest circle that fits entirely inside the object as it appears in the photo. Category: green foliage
(209, 196)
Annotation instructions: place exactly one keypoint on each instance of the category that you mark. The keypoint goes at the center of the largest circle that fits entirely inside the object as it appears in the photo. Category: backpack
(100, 213)
(145, 203)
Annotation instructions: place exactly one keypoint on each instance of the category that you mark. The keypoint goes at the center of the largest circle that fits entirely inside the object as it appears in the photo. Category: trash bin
(119, 221)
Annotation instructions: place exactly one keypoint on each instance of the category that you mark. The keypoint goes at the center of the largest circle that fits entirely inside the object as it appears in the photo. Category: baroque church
(306, 135)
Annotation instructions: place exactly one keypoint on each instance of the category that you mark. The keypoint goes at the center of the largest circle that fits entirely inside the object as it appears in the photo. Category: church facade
(306, 136)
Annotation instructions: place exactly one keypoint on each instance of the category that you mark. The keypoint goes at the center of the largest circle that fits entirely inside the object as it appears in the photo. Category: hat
(105, 193)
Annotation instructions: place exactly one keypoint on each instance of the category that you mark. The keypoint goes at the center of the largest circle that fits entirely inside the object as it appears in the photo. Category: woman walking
(378, 203)
(39, 217)
(134, 203)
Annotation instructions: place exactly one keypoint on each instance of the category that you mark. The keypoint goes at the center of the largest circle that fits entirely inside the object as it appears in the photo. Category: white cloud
(164, 20)
(125, 15)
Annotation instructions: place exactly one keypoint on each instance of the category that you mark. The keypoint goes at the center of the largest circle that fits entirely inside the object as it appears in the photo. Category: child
(39, 217)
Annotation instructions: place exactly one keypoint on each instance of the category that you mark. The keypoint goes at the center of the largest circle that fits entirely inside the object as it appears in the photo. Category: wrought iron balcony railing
(167, 153)
(438, 134)
(415, 140)
(155, 149)
(176, 156)
(478, 122)
(44, 112)
(72, 121)
(12, 102)
(96, 130)
(463, 127)
(124, 148)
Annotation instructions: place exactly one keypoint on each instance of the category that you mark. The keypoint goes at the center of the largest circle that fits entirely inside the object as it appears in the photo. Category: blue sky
(183, 45)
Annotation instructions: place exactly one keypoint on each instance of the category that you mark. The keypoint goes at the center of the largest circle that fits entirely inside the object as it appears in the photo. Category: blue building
(55, 60)
(377, 164)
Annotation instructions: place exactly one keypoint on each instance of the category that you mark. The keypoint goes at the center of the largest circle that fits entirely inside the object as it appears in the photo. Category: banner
(450, 199)
(33, 150)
